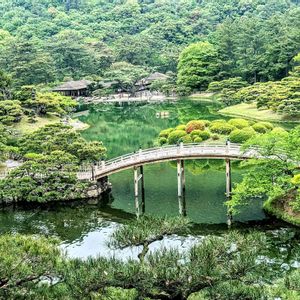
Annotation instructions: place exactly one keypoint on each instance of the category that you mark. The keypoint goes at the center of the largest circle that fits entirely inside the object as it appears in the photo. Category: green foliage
(24, 268)
(204, 135)
(239, 123)
(147, 229)
(63, 138)
(222, 267)
(241, 135)
(270, 178)
(181, 127)
(51, 40)
(221, 128)
(198, 65)
(126, 75)
(10, 111)
(260, 128)
(5, 86)
(230, 84)
(162, 141)
(186, 139)
(43, 178)
(280, 96)
(175, 136)
(198, 139)
(44, 103)
(165, 133)
(237, 130)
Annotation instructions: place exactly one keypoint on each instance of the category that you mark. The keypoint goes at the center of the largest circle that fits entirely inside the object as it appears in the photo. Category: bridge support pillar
(139, 177)
(143, 188)
(181, 187)
(228, 189)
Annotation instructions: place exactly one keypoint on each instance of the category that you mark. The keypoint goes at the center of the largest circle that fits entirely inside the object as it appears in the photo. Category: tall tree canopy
(49, 40)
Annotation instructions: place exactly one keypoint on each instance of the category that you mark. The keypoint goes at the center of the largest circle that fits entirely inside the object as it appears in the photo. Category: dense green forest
(51, 40)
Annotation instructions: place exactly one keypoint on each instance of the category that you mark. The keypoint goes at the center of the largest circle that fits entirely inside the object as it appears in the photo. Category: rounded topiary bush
(165, 133)
(194, 125)
(260, 128)
(198, 139)
(217, 122)
(186, 139)
(181, 127)
(239, 123)
(162, 141)
(279, 130)
(268, 125)
(205, 135)
(175, 136)
(241, 135)
(195, 132)
(215, 137)
(221, 128)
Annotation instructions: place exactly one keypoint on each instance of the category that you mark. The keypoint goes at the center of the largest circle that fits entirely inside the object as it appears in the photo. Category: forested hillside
(44, 41)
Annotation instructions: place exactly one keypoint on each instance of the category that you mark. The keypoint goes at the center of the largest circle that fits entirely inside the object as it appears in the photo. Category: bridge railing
(165, 151)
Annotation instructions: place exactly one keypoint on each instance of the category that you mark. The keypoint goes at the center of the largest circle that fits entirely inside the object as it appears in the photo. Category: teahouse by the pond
(74, 88)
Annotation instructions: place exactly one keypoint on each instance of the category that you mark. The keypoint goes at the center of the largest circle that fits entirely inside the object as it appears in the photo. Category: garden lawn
(26, 127)
(249, 111)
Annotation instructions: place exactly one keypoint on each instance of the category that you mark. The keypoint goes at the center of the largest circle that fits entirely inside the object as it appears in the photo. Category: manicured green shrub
(268, 125)
(205, 135)
(221, 128)
(217, 121)
(175, 136)
(194, 124)
(260, 128)
(215, 137)
(279, 130)
(162, 141)
(198, 139)
(195, 132)
(165, 133)
(239, 123)
(181, 127)
(241, 135)
(186, 139)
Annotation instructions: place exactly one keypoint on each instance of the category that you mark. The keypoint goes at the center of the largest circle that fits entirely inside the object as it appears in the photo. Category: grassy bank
(249, 111)
(282, 209)
(24, 126)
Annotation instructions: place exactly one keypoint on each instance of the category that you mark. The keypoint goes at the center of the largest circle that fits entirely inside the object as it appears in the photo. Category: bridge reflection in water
(178, 153)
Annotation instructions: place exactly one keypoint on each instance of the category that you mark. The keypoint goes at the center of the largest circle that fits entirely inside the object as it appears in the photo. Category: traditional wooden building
(144, 83)
(76, 88)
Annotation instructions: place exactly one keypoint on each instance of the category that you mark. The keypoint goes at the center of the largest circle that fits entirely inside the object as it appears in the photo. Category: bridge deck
(166, 153)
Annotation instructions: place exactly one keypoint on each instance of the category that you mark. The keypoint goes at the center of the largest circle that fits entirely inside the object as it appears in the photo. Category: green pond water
(85, 228)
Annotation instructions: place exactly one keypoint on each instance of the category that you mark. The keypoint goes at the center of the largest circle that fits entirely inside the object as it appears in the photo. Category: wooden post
(183, 177)
(93, 173)
(179, 178)
(181, 187)
(228, 189)
(143, 188)
(228, 178)
(136, 192)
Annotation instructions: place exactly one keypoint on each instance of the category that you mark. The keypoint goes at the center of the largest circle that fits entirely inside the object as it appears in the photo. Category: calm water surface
(85, 229)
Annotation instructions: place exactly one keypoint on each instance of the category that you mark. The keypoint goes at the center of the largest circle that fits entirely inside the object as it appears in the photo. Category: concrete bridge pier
(228, 189)
(181, 187)
(137, 178)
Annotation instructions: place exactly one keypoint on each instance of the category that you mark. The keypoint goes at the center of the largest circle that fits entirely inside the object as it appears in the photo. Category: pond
(85, 228)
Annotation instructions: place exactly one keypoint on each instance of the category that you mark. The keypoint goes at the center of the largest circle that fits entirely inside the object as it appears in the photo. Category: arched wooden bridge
(180, 153)
(165, 153)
